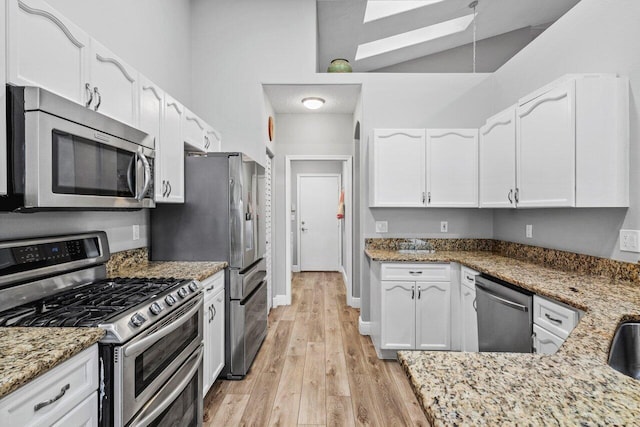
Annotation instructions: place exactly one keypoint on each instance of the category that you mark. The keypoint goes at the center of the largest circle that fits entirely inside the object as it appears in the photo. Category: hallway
(314, 368)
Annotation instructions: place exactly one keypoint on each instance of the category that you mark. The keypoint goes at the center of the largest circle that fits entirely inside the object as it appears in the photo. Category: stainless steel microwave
(62, 155)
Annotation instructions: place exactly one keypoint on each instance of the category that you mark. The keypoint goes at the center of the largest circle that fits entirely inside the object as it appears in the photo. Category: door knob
(303, 229)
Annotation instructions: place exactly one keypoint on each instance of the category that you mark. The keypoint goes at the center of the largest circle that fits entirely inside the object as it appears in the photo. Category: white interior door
(318, 227)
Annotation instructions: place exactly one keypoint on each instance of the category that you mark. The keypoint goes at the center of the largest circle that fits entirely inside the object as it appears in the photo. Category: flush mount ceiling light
(378, 9)
(313, 102)
(410, 38)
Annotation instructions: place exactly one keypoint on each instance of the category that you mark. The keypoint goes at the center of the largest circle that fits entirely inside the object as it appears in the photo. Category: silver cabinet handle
(429, 197)
(517, 195)
(99, 97)
(423, 197)
(475, 304)
(469, 278)
(415, 272)
(553, 319)
(509, 196)
(214, 312)
(87, 87)
(413, 292)
(207, 143)
(210, 288)
(170, 188)
(419, 292)
(41, 405)
(164, 188)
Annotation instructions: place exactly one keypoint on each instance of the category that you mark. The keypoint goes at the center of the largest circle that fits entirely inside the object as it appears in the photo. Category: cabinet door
(85, 414)
(469, 320)
(193, 131)
(172, 152)
(212, 140)
(3, 105)
(452, 168)
(115, 85)
(546, 149)
(498, 161)
(398, 326)
(544, 342)
(47, 50)
(217, 334)
(433, 316)
(399, 167)
(151, 105)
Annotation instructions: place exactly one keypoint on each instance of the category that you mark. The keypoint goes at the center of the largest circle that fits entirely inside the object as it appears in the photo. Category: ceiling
(287, 99)
(341, 28)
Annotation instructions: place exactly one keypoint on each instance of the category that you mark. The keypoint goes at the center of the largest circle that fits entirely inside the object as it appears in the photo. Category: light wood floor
(314, 368)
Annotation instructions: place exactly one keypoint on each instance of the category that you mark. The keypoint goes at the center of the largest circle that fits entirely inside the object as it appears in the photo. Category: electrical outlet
(382, 226)
(630, 240)
(529, 231)
(136, 232)
(444, 226)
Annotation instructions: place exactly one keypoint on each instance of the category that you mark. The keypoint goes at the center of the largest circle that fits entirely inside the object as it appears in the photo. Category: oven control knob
(170, 300)
(155, 308)
(193, 286)
(182, 292)
(138, 319)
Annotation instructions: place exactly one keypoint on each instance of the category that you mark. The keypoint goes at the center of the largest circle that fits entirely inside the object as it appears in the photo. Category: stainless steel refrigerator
(219, 221)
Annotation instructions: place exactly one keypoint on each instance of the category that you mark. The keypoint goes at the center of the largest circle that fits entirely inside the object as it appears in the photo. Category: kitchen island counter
(26, 353)
(573, 386)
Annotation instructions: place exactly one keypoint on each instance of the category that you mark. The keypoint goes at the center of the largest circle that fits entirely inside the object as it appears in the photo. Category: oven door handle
(141, 345)
(158, 410)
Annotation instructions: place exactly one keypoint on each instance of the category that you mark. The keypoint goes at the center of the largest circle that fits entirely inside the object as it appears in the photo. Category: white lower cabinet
(64, 396)
(213, 360)
(415, 315)
(552, 324)
(469, 319)
(544, 342)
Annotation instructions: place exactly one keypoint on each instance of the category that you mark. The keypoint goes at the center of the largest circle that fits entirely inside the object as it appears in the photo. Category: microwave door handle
(162, 406)
(147, 175)
(141, 345)
(130, 171)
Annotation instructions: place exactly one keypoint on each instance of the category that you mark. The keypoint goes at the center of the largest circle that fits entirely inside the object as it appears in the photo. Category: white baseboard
(279, 300)
(364, 327)
(295, 268)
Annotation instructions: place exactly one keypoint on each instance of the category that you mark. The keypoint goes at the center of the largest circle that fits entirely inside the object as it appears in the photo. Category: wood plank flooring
(314, 368)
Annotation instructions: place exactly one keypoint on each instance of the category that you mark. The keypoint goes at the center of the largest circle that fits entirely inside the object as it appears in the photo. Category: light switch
(382, 226)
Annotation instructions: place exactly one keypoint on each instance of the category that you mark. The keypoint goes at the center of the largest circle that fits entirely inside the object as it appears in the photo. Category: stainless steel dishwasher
(504, 316)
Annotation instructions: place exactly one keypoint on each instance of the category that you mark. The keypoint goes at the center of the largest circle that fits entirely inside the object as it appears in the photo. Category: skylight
(411, 38)
(378, 9)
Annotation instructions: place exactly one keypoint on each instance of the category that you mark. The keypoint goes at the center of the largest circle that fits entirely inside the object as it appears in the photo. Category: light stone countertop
(574, 386)
(25, 353)
(178, 269)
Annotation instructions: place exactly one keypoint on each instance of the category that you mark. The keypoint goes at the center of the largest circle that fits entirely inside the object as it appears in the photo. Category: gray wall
(297, 134)
(595, 36)
(308, 166)
(491, 53)
(154, 37)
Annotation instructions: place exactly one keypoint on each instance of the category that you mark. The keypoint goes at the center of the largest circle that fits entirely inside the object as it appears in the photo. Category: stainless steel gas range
(151, 355)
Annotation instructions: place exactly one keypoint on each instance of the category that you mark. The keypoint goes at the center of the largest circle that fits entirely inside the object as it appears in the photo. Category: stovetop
(88, 305)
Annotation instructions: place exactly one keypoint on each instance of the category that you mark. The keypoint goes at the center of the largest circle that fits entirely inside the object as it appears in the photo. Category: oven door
(145, 364)
(68, 165)
(178, 402)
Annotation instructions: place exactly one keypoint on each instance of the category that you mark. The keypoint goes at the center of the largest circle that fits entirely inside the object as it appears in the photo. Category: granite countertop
(573, 386)
(25, 353)
(179, 269)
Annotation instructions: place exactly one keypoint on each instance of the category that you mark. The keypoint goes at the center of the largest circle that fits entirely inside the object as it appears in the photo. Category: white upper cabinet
(193, 130)
(498, 160)
(150, 117)
(3, 107)
(171, 153)
(45, 49)
(398, 168)
(546, 148)
(115, 85)
(452, 168)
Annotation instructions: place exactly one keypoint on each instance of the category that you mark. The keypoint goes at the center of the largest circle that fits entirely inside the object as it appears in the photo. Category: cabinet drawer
(468, 277)
(544, 342)
(554, 317)
(416, 272)
(78, 377)
(83, 415)
(213, 284)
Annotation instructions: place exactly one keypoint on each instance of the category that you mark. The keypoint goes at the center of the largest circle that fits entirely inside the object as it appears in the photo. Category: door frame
(298, 225)
(348, 221)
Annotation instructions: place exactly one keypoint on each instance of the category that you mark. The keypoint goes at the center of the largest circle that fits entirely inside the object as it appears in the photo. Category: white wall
(595, 36)
(154, 37)
(297, 134)
(239, 44)
(491, 53)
